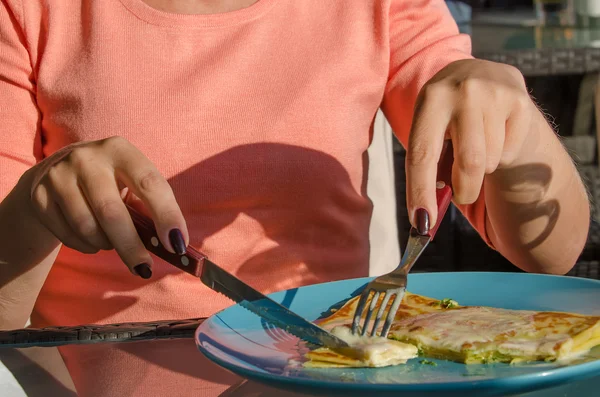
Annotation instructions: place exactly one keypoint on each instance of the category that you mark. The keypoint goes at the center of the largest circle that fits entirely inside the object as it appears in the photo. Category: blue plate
(241, 342)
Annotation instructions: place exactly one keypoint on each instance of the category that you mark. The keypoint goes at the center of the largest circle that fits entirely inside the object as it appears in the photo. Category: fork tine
(374, 300)
(380, 312)
(392, 313)
(359, 310)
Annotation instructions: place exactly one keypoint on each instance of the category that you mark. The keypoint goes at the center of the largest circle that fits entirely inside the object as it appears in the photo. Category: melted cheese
(376, 349)
(364, 351)
(481, 334)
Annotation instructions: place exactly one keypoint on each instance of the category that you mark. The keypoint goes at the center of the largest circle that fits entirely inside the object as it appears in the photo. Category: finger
(75, 209)
(431, 120)
(518, 127)
(145, 181)
(100, 189)
(51, 216)
(468, 139)
(134, 202)
(495, 131)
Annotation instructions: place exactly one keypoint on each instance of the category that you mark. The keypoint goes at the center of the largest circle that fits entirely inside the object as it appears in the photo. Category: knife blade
(219, 280)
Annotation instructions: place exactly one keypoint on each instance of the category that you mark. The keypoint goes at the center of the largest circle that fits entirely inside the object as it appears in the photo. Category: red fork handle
(443, 191)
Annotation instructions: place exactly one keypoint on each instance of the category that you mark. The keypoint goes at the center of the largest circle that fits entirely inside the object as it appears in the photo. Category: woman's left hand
(485, 109)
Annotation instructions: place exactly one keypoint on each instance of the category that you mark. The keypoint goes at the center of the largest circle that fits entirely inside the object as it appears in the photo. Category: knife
(218, 279)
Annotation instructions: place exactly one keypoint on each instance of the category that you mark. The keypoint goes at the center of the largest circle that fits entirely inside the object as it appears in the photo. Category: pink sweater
(259, 119)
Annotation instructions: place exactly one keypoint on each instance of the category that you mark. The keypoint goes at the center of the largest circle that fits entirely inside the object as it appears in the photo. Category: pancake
(443, 329)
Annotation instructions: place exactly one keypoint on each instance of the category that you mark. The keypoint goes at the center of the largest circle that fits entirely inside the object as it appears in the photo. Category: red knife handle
(443, 191)
(191, 262)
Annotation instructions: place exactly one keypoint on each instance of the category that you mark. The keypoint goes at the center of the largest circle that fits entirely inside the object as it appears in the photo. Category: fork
(394, 283)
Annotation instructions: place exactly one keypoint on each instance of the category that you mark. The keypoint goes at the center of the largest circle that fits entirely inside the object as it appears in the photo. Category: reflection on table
(163, 368)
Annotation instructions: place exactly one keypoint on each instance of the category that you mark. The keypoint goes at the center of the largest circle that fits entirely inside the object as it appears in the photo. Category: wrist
(27, 251)
(538, 204)
(23, 238)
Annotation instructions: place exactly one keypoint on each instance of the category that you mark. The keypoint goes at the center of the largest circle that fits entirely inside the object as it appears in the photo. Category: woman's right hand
(78, 194)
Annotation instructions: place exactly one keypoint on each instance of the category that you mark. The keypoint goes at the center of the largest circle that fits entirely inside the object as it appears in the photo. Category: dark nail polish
(143, 270)
(177, 241)
(422, 220)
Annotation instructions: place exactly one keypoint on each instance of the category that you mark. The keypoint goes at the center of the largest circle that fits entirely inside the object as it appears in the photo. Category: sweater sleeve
(20, 118)
(423, 39)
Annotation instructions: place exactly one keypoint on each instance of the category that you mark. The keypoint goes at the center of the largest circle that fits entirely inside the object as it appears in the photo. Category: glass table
(159, 359)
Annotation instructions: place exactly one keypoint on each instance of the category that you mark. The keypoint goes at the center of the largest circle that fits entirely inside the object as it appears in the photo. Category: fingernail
(143, 270)
(422, 221)
(177, 241)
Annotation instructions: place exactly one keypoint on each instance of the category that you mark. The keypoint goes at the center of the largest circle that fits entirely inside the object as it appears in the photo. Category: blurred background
(556, 45)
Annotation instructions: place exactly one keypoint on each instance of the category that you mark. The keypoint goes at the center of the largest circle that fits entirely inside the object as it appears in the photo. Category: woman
(242, 125)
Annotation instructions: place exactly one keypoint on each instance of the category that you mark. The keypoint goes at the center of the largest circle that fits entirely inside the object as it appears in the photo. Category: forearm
(538, 210)
(27, 251)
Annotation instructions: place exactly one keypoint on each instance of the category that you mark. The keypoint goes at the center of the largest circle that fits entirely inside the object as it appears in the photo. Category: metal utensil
(394, 283)
(216, 278)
